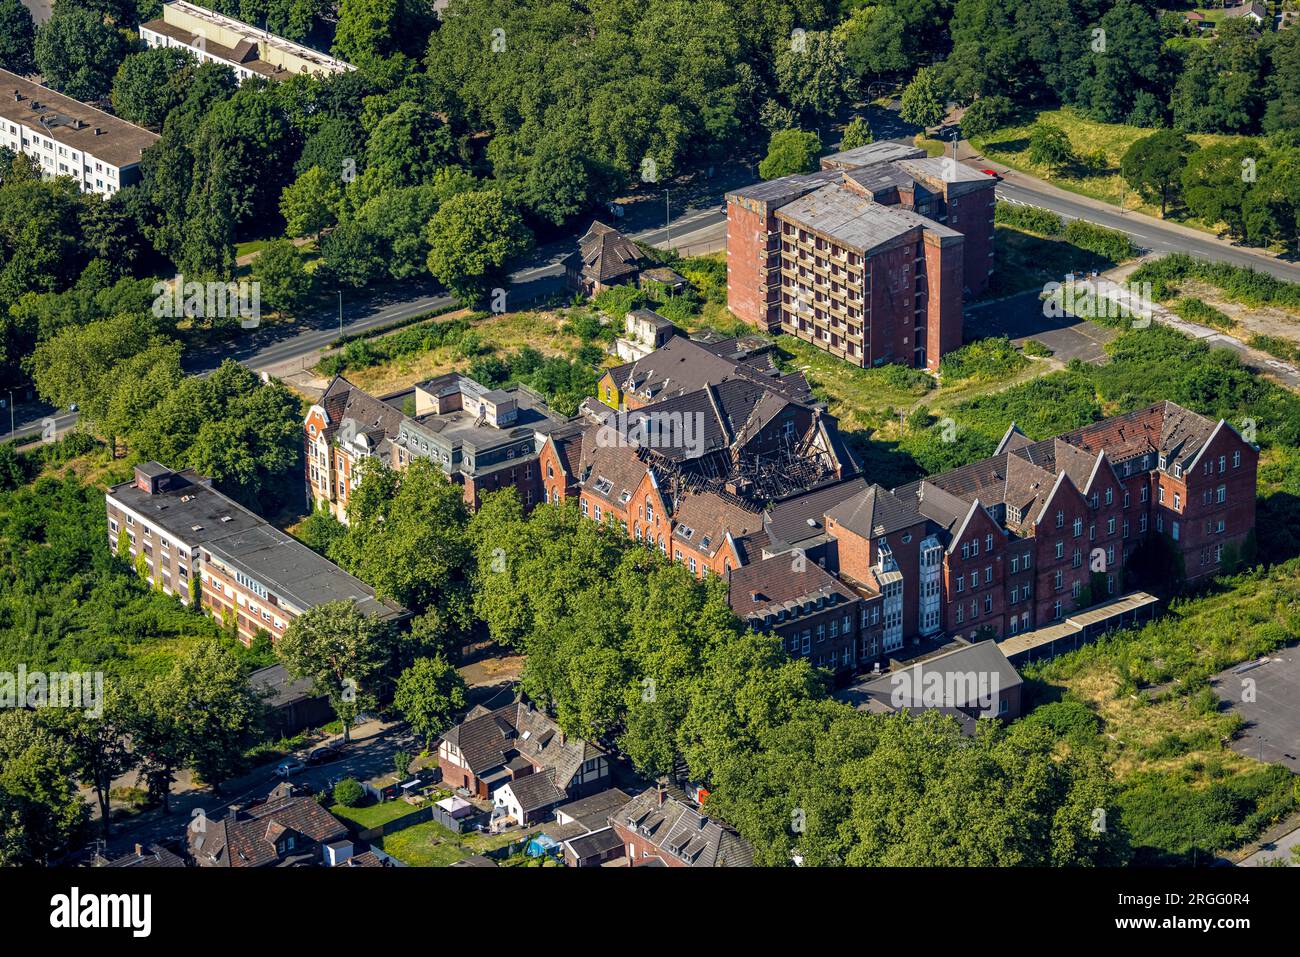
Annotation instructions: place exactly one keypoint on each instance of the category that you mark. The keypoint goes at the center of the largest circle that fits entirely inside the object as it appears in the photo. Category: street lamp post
(668, 218)
(340, 292)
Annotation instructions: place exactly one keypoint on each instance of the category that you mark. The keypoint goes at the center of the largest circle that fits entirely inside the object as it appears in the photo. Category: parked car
(324, 755)
(288, 768)
(994, 173)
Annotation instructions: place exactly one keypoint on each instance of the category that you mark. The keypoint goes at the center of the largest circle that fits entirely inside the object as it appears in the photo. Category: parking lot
(1272, 731)
(1020, 318)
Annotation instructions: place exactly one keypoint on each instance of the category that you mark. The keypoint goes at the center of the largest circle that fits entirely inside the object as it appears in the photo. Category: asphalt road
(703, 217)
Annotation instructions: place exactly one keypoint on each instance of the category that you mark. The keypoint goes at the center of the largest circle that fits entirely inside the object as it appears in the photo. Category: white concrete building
(69, 138)
(249, 51)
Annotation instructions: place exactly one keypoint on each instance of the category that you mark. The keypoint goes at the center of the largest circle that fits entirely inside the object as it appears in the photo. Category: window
(1110, 525)
(1060, 519)
(1160, 493)
(1078, 527)
(1142, 524)
(1126, 499)
(1236, 460)
(961, 583)
(1223, 463)
(1146, 494)
(1110, 496)
(1015, 564)
(1058, 580)
(1056, 610)
(1026, 561)
(1221, 494)
(975, 548)
(1076, 559)
(988, 543)
(988, 574)
(1173, 531)
(988, 604)
(965, 550)
(1178, 501)
(1060, 549)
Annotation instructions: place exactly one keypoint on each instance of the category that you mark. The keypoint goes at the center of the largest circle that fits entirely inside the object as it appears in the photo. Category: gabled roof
(535, 791)
(779, 583)
(492, 739)
(802, 517)
(248, 838)
(683, 832)
(873, 512)
(703, 518)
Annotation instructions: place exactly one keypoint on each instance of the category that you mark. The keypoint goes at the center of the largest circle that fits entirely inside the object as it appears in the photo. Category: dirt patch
(1250, 320)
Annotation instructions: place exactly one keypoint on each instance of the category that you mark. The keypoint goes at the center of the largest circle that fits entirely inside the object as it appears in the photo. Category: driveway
(1267, 695)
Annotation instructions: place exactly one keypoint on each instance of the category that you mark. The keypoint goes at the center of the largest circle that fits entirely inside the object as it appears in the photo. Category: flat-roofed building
(249, 51)
(101, 152)
(193, 542)
(868, 258)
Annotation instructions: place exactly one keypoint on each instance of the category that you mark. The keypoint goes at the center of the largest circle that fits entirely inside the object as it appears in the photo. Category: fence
(418, 816)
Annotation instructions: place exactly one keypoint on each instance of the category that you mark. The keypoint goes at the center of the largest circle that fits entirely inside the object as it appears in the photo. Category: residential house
(604, 258)
(662, 830)
(492, 748)
(287, 830)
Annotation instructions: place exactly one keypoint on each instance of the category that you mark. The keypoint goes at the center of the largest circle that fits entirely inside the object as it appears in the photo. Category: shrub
(1033, 347)
(985, 360)
(1247, 286)
(349, 792)
(987, 114)
(1031, 219)
(1194, 310)
(1111, 243)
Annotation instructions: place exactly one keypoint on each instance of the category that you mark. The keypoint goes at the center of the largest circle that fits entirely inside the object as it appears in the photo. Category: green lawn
(425, 845)
(373, 815)
(1010, 146)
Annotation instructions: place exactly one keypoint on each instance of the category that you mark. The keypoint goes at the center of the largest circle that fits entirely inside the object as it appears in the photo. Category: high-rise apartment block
(868, 258)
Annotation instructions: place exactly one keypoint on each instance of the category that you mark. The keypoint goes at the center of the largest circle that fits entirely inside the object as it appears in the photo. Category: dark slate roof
(595, 843)
(788, 522)
(280, 689)
(154, 855)
(981, 658)
(593, 810)
(247, 838)
(682, 831)
(873, 512)
(492, 739)
(606, 254)
(682, 366)
(536, 791)
(773, 585)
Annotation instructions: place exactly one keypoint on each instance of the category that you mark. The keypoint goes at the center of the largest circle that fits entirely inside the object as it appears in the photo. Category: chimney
(139, 850)
(662, 793)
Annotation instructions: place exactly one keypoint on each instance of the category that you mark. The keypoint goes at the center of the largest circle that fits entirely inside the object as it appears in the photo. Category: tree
(923, 99)
(985, 115)
(790, 152)
(429, 694)
(1216, 181)
(342, 651)
(1222, 84)
(349, 793)
(150, 84)
(17, 37)
(1050, 146)
(408, 146)
(1154, 165)
(78, 53)
(285, 282)
(857, 133)
(101, 745)
(311, 202)
(814, 75)
(220, 712)
(41, 812)
(1283, 101)
(351, 256)
(406, 535)
(1125, 57)
(471, 238)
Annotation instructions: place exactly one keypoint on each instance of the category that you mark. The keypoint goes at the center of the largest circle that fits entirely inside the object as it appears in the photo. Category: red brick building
(659, 829)
(868, 259)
